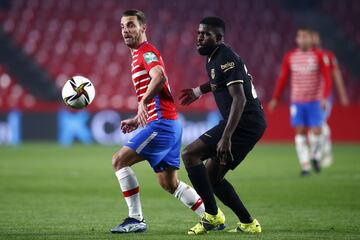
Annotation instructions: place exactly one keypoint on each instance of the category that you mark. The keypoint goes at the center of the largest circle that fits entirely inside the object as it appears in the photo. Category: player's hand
(323, 103)
(272, 105)
(129, 125)
(142, 114)
(224, 151)
(344, 100)
(187, 97)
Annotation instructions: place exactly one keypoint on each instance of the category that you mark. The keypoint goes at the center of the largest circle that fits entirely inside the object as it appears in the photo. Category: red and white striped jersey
(145, 57)
(310, 78)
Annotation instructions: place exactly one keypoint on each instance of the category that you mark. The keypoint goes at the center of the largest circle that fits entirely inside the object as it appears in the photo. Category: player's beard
(206, 50)
(135, 41)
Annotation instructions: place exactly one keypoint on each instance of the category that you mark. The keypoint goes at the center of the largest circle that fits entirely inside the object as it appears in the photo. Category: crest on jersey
(150, 57)
(212, 73)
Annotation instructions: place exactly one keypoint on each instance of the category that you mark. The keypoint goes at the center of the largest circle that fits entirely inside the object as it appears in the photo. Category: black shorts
(246, 135)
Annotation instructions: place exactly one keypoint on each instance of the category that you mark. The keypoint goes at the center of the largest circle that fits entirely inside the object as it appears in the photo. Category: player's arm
(157, 82)
(280, 83)
(325, 73)
(190, 95)
(237, 107)
(340, 86)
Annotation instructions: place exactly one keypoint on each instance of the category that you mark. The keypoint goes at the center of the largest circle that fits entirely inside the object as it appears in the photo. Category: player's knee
(187, 157)
(117, 162)
(168, 186)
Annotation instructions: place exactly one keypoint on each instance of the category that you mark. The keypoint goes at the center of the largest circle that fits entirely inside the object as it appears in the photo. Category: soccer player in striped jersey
(159, 141)
(337, 78)
(310, 86)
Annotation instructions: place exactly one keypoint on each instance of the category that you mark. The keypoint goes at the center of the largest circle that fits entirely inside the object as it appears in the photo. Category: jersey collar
(212, 54)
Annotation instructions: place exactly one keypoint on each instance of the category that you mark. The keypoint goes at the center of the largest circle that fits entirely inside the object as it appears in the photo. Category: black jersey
(225, 68)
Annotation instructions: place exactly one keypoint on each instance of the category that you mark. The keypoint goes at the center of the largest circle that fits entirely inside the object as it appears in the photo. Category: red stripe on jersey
(131, 192)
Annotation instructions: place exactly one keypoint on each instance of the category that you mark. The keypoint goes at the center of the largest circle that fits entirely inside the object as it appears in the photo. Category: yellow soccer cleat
(253, 227)
(209, 222)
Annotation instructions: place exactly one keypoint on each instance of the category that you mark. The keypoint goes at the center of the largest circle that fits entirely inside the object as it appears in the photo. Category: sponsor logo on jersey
(227, 66)
(212, 73)
(150, 57)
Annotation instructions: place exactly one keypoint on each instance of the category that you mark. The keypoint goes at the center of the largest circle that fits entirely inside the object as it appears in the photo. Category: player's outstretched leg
(129, 186)
(187, 195)
(213, 219)
(226, 193)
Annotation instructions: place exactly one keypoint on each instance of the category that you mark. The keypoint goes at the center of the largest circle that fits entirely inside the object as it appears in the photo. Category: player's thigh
(125, 157)
(192, 154)
(168, 179)
(297, 115)
(243, 141)
(204, 147)
(315, 115)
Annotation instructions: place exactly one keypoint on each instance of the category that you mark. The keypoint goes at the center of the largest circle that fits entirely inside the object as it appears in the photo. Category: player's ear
(144, 27)
(219, 37)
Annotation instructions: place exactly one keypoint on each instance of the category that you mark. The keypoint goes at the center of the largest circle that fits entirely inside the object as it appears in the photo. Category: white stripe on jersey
(140, 88)
(152, 115)
(150, 104)
(144, 80)
(138, 74)
(151, 110)
(135, 67)
(134, 56)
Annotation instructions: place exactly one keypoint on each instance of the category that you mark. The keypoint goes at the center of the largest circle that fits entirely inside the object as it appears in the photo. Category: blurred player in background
(310, 86)
(225, 145)
(337, 78)
(159, 141)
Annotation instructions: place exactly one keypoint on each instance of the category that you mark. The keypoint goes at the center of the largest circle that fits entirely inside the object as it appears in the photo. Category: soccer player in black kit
(227, 144)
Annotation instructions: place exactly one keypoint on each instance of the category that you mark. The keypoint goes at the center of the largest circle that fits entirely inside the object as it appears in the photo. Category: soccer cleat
(326, 161)
(315, 165)
(130, 225)
(253, 227)
(304, 173)
(209, 223)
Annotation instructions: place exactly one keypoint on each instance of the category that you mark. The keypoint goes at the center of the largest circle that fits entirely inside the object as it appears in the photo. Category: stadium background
(43, 43)
(48, 191)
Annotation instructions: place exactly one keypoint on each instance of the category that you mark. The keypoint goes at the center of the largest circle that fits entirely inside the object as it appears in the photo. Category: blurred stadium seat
(83, 37)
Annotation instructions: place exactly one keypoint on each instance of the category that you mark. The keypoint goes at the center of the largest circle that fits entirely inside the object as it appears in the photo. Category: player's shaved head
(136, 13)
(216, 23)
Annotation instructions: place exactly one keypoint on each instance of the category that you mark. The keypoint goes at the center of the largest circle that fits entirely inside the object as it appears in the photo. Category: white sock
(315, 146)
(326, 138)
(302, 151)
(130, 188)
(188, 196)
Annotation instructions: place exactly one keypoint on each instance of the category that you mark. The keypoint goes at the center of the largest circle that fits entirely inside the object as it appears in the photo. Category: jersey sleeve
(333, 61)
(324, 71)
(233, 70)
(151, 58)
(283, 77)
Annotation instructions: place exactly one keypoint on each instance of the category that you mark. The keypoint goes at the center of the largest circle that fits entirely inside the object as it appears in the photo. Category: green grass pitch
(50, 192)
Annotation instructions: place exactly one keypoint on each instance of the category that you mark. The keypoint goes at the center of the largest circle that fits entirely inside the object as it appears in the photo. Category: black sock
(227, 195)
(201, 182)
